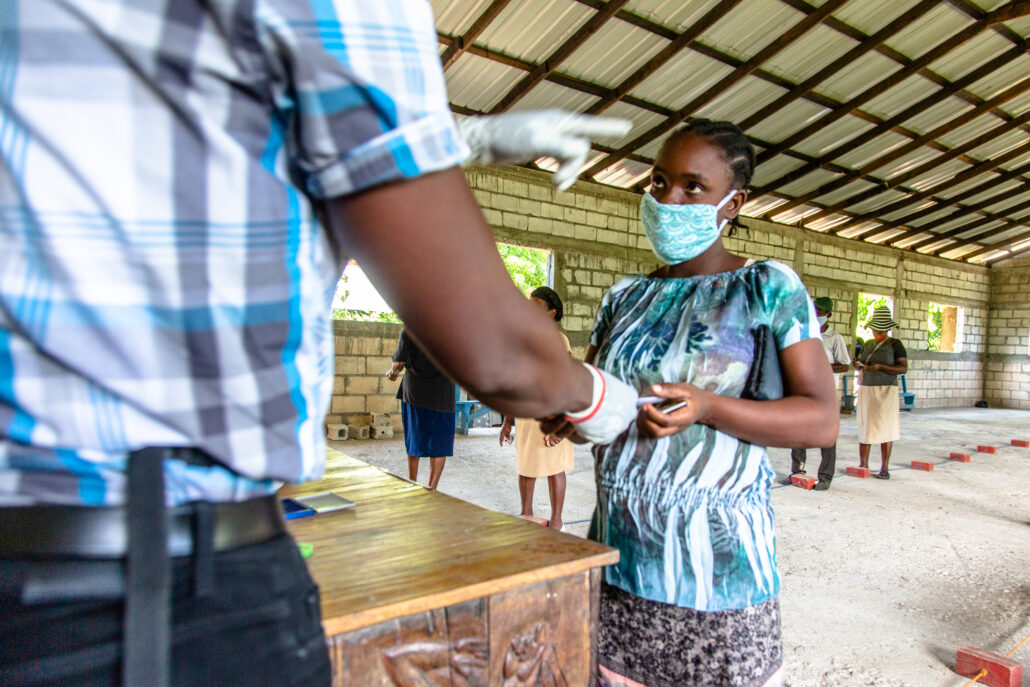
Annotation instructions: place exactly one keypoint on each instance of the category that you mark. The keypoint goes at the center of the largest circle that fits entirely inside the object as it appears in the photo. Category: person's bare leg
(435, 470)
(885, 455)
(863, 455)
(556, 490)
(413, 468)
(526, 485)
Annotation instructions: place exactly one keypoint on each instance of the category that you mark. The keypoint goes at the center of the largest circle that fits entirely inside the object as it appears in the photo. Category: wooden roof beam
(563, 52)
(676, 46)
(788, 37)
(911, 111)
(461, 43)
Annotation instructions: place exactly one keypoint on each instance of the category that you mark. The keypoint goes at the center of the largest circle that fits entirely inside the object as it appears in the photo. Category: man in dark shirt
(427, 408)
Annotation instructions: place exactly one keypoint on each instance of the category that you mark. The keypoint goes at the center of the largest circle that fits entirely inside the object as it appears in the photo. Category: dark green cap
(824, 303)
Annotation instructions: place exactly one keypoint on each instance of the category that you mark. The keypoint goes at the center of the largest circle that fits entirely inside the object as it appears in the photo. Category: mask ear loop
(733, 192)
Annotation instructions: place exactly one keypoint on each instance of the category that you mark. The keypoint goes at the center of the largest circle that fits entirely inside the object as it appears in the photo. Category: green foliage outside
(867, 302)
(355, 315)
(527, 266)
(934, 326)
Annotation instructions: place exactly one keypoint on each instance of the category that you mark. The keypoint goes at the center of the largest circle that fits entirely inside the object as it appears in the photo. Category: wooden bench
(906, 398)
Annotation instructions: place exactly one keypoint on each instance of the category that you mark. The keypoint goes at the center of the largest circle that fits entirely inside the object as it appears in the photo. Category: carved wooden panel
(442, 648)
(540, 634)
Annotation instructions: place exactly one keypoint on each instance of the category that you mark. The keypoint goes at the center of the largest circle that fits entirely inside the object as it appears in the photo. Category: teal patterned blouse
(690, 513)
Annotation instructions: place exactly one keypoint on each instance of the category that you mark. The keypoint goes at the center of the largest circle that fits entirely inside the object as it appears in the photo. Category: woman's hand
(505, 436)
(395, 371)
(874, 367)
(652, 422)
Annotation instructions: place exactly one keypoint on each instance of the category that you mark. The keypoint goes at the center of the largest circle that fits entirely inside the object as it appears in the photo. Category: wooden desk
(419, 588)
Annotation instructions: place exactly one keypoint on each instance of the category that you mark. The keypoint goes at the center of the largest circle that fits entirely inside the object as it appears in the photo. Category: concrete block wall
(364, 352)
(1007, 382)
(596, 238)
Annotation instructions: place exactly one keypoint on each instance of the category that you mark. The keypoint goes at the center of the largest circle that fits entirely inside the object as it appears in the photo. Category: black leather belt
(102, 532)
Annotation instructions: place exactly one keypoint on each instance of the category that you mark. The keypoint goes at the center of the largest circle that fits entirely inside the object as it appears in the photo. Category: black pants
(248, 616)
(827, 466)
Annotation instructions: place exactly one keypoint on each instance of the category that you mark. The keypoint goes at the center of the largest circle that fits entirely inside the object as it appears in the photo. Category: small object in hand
(670, 405)
(306, 549)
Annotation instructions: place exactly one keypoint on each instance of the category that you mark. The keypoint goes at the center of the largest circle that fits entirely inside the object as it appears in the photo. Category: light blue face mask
(681, 232)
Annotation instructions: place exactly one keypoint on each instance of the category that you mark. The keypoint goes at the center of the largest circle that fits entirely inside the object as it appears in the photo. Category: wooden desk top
(404, 549)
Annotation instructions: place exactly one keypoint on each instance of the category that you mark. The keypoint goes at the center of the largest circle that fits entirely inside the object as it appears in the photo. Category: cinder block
(856, 471)
(803, 481)
(381, 432)
(1021, 442)
(1001, 671)
(960, 457)
(380, 418)
(922, 465)
(359, 419)
(336, 432)
(358, 431)
(986, 449)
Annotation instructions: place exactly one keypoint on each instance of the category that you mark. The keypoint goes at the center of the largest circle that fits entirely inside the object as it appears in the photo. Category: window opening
(944, 327)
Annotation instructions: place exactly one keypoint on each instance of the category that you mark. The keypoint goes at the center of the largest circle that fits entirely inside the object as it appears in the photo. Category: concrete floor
(882, 580)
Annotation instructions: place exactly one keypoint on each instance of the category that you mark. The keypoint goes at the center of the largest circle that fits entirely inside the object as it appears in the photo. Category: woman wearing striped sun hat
(881, 361)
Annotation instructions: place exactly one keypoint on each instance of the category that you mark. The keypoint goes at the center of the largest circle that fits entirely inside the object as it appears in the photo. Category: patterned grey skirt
(661, 645)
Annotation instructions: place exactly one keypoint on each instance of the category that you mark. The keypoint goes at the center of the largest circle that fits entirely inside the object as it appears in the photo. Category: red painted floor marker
(855, 471)
(1021, 442)
(922, 465)
(803, 481)
(986, 449)
(960, 457)
(1001, 671)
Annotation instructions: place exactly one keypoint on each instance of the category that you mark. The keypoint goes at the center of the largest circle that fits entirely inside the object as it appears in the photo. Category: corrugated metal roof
(870, 17)
(791, 118)
(675, 14)
(613, 53)
(531, 30)
(859, 76)
(876, 148)
(685, 76)
(767, 19)
(850, 189)
(1001, 79)
(894, 100)
(479, 83)
(932, 28)
(743, 99)
(1020, 26)
(809, 182)
(833, 135)
(813, 51)
(774, 169)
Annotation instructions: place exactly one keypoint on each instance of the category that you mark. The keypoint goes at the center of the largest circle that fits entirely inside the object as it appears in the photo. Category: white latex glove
(612, 410)
(516, 137)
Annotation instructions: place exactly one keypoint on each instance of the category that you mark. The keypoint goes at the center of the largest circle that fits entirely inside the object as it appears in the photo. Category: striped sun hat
(881, 321)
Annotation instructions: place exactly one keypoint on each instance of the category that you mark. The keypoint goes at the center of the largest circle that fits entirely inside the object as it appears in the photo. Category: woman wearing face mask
(684, 494)
(881, 361)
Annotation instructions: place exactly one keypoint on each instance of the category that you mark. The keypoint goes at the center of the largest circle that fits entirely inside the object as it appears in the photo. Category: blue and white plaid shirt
(163, 280)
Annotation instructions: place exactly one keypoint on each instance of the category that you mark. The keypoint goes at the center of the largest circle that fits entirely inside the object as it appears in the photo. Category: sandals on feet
(883, 475)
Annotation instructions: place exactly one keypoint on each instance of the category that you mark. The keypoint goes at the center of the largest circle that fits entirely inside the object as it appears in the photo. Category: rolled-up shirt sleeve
(359, 90)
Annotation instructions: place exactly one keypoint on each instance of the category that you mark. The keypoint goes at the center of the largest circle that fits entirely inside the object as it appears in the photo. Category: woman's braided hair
(739, 153)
